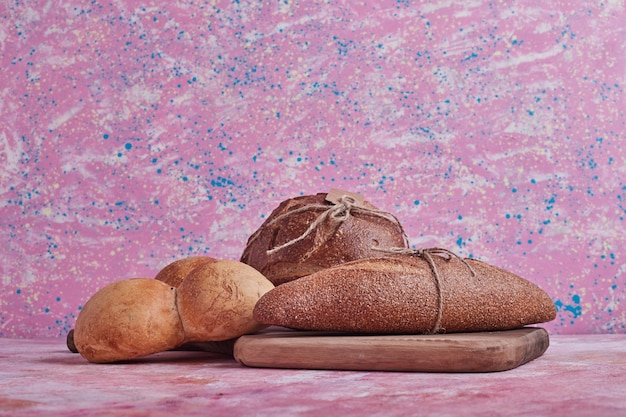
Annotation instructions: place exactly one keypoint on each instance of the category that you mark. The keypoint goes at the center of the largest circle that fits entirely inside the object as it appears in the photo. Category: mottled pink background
(135, 134)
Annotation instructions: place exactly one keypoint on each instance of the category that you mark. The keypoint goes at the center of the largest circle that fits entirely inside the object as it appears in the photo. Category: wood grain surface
(458, 352)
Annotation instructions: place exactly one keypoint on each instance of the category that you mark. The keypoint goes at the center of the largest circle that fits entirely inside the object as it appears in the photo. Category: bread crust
(399, 294)
(175, 272)
(216, 299)
(128, 319)
(358, 236)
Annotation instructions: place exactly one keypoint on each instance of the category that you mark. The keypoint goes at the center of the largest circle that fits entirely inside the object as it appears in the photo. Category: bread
(282, 250)
(137, 317)
(400, 294)
(128, 319)
(174, 273)
(216, 299)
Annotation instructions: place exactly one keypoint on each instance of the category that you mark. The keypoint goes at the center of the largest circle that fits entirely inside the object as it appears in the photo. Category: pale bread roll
(359, 236)
(128, 319)
(216, 299)
(399, 295)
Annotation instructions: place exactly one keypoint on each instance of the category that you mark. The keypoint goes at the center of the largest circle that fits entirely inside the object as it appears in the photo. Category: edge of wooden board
(454, 352)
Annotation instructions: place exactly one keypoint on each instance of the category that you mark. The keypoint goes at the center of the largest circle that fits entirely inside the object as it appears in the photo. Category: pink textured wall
(133, 134)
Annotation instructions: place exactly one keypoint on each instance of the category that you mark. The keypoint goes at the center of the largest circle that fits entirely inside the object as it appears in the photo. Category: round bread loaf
(400, 294)
(216, 299)
(128, 319)
(174, 273)
(284, 248)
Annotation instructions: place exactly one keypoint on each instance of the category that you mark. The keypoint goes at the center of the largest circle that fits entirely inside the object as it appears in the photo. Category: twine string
(427, 255)
(336, 214)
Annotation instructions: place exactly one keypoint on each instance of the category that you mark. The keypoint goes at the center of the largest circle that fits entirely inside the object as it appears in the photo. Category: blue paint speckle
(575, 309)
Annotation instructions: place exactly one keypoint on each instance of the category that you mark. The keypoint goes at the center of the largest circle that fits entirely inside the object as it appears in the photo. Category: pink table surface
(579, 375)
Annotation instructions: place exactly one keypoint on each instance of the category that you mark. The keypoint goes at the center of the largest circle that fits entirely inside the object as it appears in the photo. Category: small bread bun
(216, 299)
(174, 273)
(128, 319)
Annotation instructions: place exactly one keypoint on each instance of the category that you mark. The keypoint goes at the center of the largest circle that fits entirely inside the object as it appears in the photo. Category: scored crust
(175, 272)
(360, 235)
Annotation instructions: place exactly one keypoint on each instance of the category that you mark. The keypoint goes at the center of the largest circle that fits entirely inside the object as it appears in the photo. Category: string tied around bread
(332, 215)
(427, 255)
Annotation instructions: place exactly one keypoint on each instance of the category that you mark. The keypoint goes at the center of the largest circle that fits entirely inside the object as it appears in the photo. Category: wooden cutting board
(455, 352)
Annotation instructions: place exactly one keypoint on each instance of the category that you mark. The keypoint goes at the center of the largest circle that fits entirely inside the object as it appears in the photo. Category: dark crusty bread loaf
(399, 295)
(331, 243)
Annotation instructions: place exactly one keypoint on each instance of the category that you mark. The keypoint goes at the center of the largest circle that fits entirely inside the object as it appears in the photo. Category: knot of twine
(336, 214)
(427, 255)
